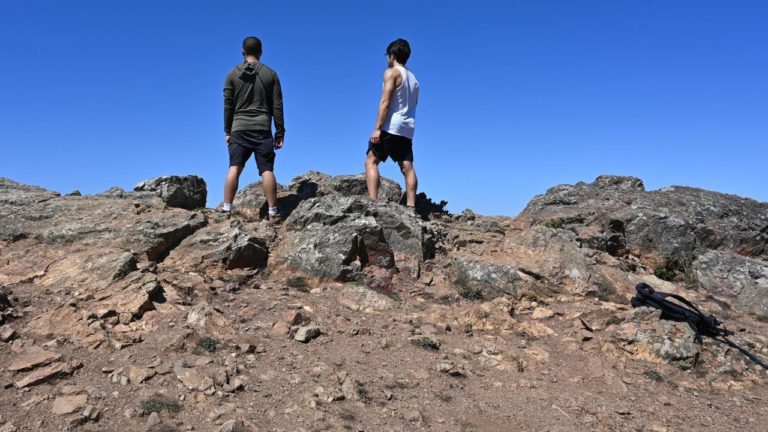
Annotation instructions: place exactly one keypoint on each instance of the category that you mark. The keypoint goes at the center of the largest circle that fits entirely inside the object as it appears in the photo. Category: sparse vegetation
(676, 268)
(464, 287)
(159, 403)
(567, 220)
(653, 375)
(299, 283)
(208, 344)
(426, 343)
(362, 393)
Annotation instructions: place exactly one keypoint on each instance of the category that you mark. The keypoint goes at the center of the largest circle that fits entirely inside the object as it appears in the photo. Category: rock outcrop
(616, 214)
(187, 192)
(142, 310)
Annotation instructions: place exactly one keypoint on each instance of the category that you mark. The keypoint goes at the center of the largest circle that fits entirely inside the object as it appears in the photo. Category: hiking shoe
(221, 215)
(276, 219)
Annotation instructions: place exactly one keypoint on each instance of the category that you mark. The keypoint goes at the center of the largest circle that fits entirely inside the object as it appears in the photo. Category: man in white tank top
(395, 123)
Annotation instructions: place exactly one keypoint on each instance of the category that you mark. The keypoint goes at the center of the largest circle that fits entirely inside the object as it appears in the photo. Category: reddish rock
(42, 375)
(69, 404)
(32, 358)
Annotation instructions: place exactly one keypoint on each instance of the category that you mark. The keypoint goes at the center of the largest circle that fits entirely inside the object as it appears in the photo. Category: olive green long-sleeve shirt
(253, 99)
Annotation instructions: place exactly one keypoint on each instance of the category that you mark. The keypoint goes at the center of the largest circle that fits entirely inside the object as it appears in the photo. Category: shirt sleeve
(277, 108)
(229, 103)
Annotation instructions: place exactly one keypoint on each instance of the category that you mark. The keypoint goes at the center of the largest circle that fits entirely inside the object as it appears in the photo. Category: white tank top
(401, 118)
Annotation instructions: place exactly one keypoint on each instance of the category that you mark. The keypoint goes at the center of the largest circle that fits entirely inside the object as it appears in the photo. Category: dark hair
(400, 49)
(252, 46)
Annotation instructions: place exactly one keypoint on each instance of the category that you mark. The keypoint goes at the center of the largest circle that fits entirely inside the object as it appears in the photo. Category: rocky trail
(144, 311)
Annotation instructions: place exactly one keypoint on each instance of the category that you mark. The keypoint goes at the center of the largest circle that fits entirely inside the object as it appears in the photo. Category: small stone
(7, 333)
(32, 358)
(307, 333)
(153, 420)
(281, 328)
(69, 390)
(192, 379)
(164, 368)
(69, 404)
(41, 375)
(295, 317)
(138, 375)
(586, 335)
(91, 413)
(234, 385)
(124, 380)
(542, 313)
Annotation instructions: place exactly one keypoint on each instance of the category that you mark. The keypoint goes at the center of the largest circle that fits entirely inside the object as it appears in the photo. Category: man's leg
(269, 184)
(372, 175)
(230, 185)
(411, 182)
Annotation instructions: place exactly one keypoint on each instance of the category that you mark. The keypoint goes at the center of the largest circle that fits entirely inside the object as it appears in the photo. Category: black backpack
(685, 311)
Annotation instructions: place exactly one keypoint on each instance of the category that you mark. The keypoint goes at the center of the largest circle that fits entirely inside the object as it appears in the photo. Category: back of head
(252, 46)
(400, 50)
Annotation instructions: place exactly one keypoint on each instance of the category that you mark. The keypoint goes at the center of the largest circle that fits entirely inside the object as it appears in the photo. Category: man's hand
(376, 136)
(279, 143)
(227, 140)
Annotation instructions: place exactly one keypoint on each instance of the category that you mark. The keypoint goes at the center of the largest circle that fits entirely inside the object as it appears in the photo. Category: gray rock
(648, 337)
(192, 379)
(615, 213)
(347, 185)
(311, 184)
(307, 333)
(230, 246)
(17, 194)
(729, 276)
(187, 192)
(251, 203)
(488, 278)
(343, 219)
(114, 192)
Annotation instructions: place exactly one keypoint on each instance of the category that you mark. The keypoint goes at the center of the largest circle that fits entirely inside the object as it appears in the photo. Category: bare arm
(390, 82)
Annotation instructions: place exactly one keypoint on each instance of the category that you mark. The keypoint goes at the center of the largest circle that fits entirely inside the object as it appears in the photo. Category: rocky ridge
(143, 310)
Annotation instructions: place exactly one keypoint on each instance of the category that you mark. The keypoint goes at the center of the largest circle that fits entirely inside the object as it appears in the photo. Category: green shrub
(158, 403)
(567, 220)
(653, 375)
(207, 343)
(465, 289)
(426, 343)
(298, 283)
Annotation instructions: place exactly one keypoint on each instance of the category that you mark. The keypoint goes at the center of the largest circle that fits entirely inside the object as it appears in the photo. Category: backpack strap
(702, 325)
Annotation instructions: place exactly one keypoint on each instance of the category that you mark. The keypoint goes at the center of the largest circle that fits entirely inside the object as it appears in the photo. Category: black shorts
(259, 143)
(399, 148)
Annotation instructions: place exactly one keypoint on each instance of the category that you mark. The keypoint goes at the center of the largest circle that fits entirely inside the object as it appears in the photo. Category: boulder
(648, 337)
(231, 245)
(476, 278)
(333, 237)
(357, 185)
(17, 194)
(617, 214)
(187, 192)
(740, 280)
(251, 203)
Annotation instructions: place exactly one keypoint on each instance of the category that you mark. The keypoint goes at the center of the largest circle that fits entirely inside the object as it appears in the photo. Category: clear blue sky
(516, 96)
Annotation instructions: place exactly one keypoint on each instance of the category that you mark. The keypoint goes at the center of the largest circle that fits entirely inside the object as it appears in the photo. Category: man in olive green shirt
(253, 99)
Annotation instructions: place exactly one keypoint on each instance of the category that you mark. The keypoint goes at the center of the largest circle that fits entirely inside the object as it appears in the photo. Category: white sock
(272, 211)
(227, 207)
